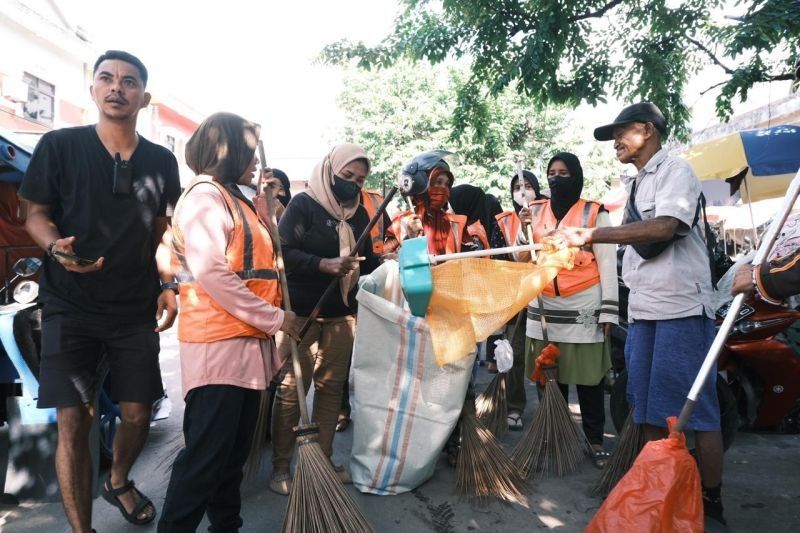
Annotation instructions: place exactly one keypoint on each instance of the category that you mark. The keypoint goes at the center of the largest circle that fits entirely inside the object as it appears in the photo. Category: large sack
(405, 406)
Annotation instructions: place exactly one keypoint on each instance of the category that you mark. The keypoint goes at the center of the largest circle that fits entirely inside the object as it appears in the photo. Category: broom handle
(529, 229)
(763, 252)
(272, 222)
(353, 253)
(485, 253)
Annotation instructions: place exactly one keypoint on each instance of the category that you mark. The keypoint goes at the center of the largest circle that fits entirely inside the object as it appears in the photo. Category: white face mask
(524, 197)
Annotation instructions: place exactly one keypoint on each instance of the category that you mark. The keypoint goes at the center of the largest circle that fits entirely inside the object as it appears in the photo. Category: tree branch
(596, 14)
(710, 54)
(771, 77)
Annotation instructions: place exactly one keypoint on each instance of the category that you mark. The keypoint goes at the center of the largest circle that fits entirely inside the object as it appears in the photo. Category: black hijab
(470, 201)
(564, 192)
(281, 175)
(530, 178)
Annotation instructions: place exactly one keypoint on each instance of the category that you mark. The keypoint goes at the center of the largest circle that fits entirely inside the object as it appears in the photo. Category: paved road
(762, 488)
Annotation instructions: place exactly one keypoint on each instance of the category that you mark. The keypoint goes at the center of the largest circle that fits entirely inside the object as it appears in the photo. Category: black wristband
(170, 285)
(50, 249)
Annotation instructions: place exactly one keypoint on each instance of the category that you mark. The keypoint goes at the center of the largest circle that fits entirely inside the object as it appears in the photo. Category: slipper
(281, 483)
(342, 424)
(112, 495)
(514, 421)
(600, 458)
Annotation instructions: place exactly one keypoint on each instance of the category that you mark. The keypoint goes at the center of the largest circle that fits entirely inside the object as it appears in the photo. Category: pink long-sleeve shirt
(246, 362)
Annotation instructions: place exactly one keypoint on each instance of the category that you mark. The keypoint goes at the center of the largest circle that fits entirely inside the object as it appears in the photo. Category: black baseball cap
(642, 112)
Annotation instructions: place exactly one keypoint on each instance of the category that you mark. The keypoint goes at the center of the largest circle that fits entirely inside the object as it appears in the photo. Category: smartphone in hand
(72, 257)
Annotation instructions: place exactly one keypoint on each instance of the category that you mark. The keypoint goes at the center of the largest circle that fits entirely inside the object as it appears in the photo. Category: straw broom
(318, 501)
(484, 471)
(492, 405)
(631, 442)
(552, 444)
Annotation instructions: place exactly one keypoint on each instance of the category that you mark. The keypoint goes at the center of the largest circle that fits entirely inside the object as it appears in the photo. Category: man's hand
(65, 246)
(743, 280)
(339, 266)
(608, 327)
(290, 325)
(166, 302)
(572, 236)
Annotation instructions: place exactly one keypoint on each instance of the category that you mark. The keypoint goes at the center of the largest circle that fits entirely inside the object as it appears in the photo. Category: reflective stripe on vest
(585, 273)
(371, 202)
(509, 224)
(249, 255)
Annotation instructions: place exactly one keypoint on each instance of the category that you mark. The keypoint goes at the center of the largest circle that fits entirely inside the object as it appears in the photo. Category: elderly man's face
(630, 139)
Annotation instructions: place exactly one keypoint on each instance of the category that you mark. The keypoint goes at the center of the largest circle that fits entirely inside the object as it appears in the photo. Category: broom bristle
(253, 463)
(631, 442)
(318, 501)
(491, 407)
(552, 444)
(484, 470)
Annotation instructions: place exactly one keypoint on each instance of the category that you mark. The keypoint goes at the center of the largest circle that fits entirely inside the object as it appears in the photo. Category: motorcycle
(758, 371)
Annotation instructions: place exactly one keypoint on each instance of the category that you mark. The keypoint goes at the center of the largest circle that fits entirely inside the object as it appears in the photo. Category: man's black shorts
(74, 350)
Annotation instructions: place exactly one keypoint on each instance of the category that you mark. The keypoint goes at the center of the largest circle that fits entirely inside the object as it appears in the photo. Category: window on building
(169, 142)
(41, 100)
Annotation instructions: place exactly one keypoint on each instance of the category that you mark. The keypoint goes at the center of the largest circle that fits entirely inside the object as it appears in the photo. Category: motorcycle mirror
(27, 266)
(26, 291)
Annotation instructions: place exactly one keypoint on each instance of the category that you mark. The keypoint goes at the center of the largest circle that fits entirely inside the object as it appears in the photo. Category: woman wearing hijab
(284, 192)
(470, 201)
(318, 231)
(445, 232)
(228, 320)
(580, 305)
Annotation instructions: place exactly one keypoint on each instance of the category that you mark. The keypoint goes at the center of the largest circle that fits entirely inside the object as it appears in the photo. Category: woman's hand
(290, 325)
(414, 228)
(338, 266)
(608, 327)
(525, 216)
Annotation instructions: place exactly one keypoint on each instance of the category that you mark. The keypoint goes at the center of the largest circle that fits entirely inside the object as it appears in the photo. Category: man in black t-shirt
(104, 194)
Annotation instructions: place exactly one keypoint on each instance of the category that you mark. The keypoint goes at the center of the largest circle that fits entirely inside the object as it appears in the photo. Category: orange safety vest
(509, 224)
(250, 256)
(476, 229)
(457, 224)
(585, 274)
(371, 200)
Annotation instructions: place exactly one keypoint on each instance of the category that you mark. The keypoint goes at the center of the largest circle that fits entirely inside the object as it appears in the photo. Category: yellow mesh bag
(472, 298)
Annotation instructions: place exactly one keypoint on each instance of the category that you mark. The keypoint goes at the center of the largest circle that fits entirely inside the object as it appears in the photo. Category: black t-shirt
(308, 234)
(72, 173)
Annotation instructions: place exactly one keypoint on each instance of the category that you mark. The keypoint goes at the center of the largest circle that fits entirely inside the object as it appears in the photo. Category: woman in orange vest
(580, 305)
(470, 201)
(445, 232)
(230, 311)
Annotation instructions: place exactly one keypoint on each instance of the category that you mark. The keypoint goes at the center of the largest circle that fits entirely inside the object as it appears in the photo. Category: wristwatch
(170, 285)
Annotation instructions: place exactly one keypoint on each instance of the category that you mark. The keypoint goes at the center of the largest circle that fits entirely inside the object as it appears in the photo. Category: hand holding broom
(318, 502)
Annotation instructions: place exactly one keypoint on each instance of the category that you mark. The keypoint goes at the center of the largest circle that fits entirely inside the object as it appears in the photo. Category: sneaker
(281, 483)
(343, 475)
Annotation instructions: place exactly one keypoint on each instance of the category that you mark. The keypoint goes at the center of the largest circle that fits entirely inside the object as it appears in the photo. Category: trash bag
(660, 493)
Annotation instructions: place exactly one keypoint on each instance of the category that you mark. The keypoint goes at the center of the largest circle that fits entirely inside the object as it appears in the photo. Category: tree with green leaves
(558, 52)
(400, 111)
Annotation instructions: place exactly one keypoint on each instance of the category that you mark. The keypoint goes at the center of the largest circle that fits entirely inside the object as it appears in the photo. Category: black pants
(593, 414)
(218, 426)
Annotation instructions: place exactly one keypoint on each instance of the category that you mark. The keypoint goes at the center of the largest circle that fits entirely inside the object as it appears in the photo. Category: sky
(257, 59)
(251, 58)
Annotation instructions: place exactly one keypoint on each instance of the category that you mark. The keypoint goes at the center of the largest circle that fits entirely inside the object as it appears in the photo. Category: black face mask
(345, 191)
(564, 192)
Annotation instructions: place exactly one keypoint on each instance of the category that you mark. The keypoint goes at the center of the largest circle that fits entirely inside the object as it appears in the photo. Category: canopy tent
(766, 159)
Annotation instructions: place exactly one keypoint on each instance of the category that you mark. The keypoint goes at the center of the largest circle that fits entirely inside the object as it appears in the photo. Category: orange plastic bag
(660, 493)
(546, 358)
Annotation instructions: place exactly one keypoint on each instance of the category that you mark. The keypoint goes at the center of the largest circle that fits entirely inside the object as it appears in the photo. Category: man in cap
(667, 270)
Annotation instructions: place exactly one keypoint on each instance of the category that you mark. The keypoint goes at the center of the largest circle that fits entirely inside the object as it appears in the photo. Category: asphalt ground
(761, 489)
